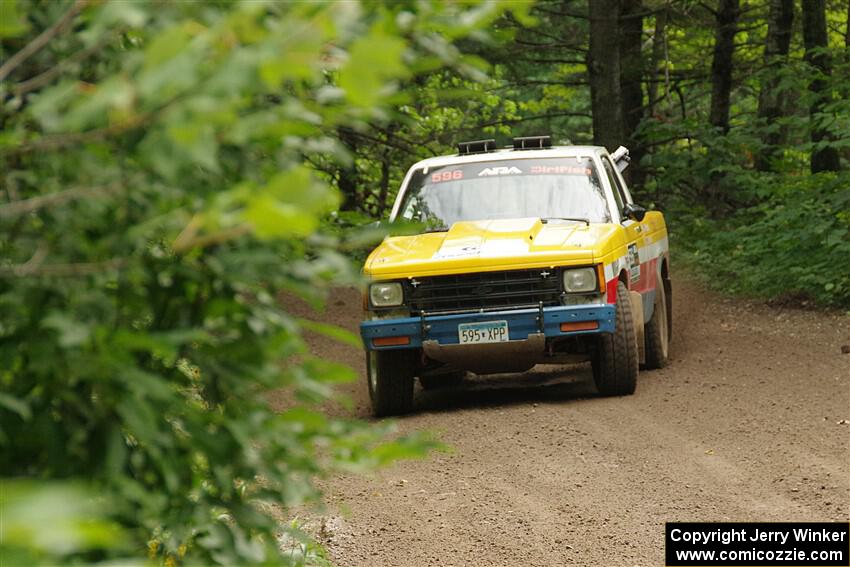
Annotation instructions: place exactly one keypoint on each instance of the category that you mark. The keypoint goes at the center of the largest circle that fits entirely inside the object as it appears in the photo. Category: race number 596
(452, 175)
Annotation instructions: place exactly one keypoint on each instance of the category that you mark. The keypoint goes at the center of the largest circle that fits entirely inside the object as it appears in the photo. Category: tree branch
(57, 141)
(28, 205)
(560, 45)
(536, 82)
(708, 8)
(562, 13)
(188, 238)
(390, 141)
(47, 76)
(556, 61)
(525, 119)
(42, 39)
(35, 268)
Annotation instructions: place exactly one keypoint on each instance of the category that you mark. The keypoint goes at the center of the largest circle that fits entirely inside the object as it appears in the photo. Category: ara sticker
(451, 175)
(500, 171)
(634, 263)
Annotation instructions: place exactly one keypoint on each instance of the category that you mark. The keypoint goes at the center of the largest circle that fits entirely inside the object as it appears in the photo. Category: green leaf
(272, 218)
(113, 99)
(12, 21)
(304, 419)
(71, 333)
(167, 45)
(48, 106)
(332, 331)
(373, 62)
(16, 405)
(141, 420)
(329, 372)
(199, 141)
(298, 58)
(58, 518)
(289, 204)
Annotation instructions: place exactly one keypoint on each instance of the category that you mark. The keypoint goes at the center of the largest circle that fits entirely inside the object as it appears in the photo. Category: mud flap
(637, 317)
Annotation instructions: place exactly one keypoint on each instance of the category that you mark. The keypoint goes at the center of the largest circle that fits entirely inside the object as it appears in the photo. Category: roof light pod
(533, 143)
(476, 147)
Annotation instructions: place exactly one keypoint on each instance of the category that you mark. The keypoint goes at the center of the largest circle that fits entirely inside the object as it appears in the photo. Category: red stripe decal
(647, 276)
(611, 289)
(645, 284)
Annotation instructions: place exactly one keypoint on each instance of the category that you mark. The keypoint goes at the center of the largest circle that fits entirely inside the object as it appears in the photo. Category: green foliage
(157, 209)
(54, 520)
(779, 234)
(793, 245)
(171, 173)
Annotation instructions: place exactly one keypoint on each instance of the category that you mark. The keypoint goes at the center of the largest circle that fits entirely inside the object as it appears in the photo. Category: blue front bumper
(521, 323)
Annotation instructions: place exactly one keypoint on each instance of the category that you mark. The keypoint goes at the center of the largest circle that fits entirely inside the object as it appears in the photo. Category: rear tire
(657, 331)
(389, 375)
(442, 380)
(615, 361)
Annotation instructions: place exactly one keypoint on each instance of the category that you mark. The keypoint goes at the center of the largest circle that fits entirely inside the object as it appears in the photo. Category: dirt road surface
(749, 422)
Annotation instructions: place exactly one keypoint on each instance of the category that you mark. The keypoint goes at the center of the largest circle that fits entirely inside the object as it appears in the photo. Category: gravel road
(749, 422)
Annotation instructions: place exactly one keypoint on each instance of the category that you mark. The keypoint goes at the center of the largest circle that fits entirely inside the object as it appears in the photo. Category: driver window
(615, 184)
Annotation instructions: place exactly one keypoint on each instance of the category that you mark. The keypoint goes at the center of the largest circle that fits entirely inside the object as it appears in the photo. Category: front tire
(390, 376)
(615, 361)
(657, 331)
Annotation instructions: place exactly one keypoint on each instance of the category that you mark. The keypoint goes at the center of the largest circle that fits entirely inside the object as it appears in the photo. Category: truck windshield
(517, 188)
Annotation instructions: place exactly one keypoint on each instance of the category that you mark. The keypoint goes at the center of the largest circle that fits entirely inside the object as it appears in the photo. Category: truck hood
(489, 245)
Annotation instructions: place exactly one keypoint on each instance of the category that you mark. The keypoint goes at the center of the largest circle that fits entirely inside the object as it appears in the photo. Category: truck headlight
(581, 280)
(386, 294)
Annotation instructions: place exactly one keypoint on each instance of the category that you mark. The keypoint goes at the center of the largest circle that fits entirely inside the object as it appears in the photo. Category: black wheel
(657, 331)
(668, 297)
(390, 377)
(442, 380)
(615, 361)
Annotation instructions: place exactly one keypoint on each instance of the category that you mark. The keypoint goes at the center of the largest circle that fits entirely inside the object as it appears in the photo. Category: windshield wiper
(442, 228)
(545, 220)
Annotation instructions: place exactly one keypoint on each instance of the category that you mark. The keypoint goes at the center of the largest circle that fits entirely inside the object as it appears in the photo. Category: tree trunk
(631, 80)
(658, 56)
(603, 67)
(815, 40)
(347, 177)
(384, 185)
(721, 65)
(771, 107)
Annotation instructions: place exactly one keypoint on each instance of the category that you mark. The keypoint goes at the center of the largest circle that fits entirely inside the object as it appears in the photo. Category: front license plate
(484, 332)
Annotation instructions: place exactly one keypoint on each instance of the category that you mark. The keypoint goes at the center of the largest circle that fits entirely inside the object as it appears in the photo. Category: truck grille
(484, 290)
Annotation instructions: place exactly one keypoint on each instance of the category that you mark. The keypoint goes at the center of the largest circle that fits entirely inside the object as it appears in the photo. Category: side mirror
(621, 158)
(633, 211)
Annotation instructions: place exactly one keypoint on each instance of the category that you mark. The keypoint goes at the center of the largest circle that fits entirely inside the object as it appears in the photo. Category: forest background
(170, 172)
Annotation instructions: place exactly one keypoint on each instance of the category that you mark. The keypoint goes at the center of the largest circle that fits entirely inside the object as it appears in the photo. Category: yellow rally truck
(531, 254)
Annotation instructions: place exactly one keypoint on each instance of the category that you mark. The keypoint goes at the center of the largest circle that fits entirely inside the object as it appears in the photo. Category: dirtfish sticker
(634, 263)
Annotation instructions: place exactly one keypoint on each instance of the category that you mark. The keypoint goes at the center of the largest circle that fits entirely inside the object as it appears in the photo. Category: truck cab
(531, 254)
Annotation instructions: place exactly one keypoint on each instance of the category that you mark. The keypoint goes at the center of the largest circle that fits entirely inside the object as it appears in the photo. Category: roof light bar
(533, 143)
(476, 147)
